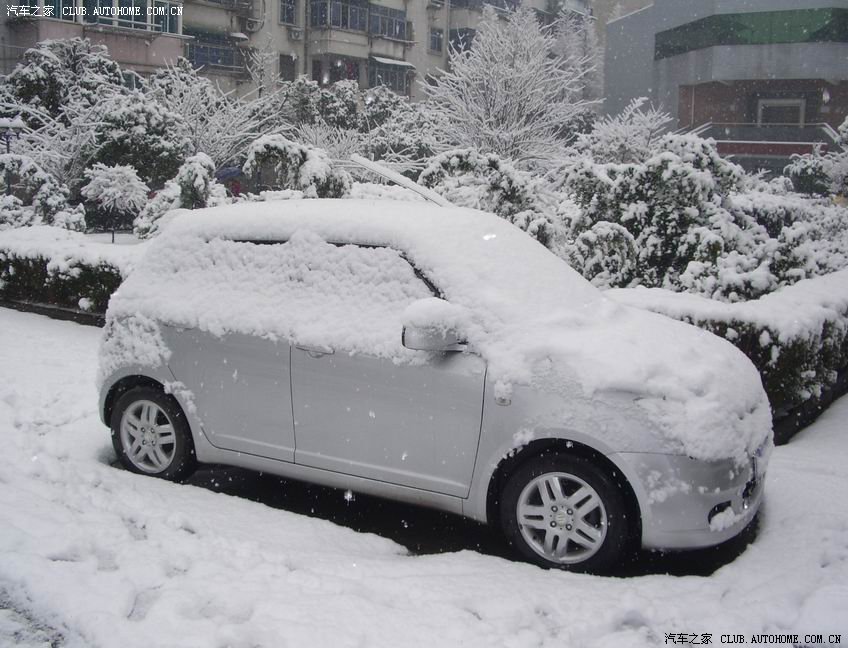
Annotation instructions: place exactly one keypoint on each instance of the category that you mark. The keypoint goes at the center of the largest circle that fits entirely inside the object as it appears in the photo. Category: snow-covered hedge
(797, 337)
(48, 265)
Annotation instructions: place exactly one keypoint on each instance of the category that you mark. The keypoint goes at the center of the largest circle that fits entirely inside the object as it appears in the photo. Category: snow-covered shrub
(138, 131)
(148, 222)
(820, 173)
(193, 187)
(696, 224)
(40, 198)
(797, 337)
(810, 173)
(470, 179)
(13, 213)
(116, 193)
(293, 166)
(671, 205)
(631, 136)
(47, 265)
(607, 253)
(195, 178)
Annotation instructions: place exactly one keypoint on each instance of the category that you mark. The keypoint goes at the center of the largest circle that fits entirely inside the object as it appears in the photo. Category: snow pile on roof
(529, 314)
(66, 249)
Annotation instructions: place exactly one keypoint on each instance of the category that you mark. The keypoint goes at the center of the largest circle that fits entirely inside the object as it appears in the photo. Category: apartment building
(146, 35)
(765, 78)
(244, 43)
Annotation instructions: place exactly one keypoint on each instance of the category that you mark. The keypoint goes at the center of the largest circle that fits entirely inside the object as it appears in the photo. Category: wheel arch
(541, 447)
(122, 386)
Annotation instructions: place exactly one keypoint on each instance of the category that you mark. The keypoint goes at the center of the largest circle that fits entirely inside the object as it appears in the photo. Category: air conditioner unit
(253, 25)
(295, 33)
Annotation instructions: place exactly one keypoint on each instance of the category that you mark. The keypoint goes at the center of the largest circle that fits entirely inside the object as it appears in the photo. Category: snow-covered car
(438, 356)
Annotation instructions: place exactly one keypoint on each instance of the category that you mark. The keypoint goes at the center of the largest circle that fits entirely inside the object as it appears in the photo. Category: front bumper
(687, 504)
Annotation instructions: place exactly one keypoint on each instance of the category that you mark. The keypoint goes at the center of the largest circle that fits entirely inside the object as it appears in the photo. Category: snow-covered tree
(508, 93)
(283, 164)
(141, 132)
(576, 45)
(116, 192)
(487, 182)
(221, 125)
(55, 72)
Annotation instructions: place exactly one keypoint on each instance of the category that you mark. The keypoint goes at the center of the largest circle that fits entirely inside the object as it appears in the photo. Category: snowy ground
(91, 555)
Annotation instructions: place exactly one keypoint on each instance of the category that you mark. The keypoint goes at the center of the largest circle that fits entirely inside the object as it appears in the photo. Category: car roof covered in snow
(445, 243)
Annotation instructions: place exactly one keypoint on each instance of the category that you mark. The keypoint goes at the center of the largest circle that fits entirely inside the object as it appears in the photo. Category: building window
(351, 14)
(782, 112)
(387, 22)
(62, 9)
(760, 28)
(212, 49)
(165, 17)
(504, 5)
(392, 76)
(437, 40)
(134, 14)
(92, 7)
(461, 39)
(288, 71)
(288, 12)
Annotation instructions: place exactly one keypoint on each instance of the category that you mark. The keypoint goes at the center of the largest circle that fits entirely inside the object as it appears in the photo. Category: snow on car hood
(528, 313)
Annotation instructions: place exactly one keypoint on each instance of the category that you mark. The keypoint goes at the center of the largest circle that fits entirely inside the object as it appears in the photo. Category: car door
(240, 388)
(365, 406)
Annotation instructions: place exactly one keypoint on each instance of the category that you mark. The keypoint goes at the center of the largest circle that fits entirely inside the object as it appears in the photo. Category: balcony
(217, 58)
(767, 146)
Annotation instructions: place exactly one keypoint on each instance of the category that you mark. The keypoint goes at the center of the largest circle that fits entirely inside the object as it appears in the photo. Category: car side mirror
(433, 324)
(432, 339)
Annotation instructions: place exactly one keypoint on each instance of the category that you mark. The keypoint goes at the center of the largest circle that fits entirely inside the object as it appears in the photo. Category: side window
(349, 297)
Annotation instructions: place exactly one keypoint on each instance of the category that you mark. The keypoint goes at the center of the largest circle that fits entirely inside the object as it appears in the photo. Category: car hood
(703, 396)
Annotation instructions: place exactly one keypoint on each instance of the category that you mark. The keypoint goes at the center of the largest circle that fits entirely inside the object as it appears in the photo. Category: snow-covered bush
(810, 173)
(193, 187)
(631, 136)
(39, 198)
(116, 193)
(797, 337)
(292, 166)
(820, 173)
(195, 178)
(148, 222)
(695, 224)
(47, 265)
(470, 179)
(606, 253)
(13, 213)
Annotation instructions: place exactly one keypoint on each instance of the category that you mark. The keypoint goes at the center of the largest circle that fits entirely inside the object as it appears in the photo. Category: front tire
(563, 511)
(151, 436)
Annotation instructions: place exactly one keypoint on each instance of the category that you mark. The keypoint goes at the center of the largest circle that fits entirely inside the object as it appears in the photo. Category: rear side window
(307, 290)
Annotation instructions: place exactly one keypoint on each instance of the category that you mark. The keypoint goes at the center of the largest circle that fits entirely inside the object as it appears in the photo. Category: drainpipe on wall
(306, 10)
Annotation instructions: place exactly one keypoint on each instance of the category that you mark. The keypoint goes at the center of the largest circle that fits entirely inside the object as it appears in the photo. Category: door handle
(315, 350)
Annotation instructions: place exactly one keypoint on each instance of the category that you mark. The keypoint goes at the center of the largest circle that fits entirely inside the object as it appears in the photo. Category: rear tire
(563, 511)
(151, 435)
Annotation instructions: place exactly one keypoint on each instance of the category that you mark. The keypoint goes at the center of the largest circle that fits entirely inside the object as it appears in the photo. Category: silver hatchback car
(438, 356)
